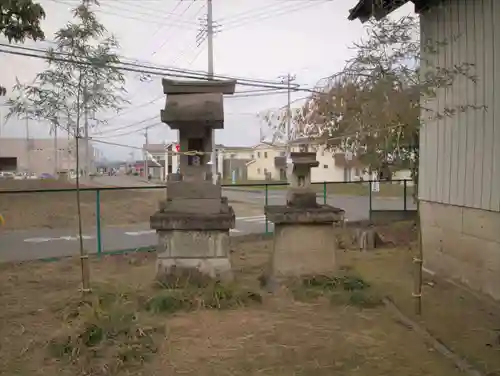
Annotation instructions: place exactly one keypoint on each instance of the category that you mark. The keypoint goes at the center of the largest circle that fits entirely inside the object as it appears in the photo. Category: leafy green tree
(20, 19)
(82, 78)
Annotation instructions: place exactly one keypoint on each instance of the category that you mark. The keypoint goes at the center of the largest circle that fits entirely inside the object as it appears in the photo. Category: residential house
(459, 162)
(232, 162)
(268, 163)
(161, 161)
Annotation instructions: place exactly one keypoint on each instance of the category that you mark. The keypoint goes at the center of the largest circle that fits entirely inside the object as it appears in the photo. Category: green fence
(354, 197)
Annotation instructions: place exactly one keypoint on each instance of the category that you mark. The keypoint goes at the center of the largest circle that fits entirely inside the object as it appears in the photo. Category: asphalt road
(44, 243)
(356, 207)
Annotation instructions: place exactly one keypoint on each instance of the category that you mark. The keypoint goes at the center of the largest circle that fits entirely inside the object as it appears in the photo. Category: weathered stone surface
(462, 244)
(297, 215)
(206, 251)
(301, 171)
(304, 158)
(193, 190)
(198, 86)
(174, 177)
(213, 268)
(302, 249)
(299, 197)
(192, 221)
(199, 205)
(206, 110)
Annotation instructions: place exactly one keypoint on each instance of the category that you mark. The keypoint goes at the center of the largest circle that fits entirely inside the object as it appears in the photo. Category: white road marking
(147, 232)
(246, 219)
(139, 233)
(70, 238)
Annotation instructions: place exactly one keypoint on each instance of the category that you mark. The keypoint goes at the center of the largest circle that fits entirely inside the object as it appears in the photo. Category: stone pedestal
(304, 238)
(194, 221)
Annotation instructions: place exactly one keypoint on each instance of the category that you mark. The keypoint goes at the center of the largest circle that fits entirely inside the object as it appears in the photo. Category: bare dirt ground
(44, 329)
(59, 209)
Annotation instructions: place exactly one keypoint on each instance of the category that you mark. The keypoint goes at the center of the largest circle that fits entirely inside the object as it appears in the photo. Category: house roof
(157, 148)
(366, 9)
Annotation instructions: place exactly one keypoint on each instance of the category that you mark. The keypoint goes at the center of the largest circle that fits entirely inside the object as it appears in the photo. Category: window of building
(258, 170)
(258, 154)
(265, 154)
(252, 156)
(265, 171)
(325, 166)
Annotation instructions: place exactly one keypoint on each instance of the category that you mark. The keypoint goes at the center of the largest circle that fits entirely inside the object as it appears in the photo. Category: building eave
(378, 9)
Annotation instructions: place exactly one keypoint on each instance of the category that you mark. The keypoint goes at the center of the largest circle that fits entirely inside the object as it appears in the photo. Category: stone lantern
(194, 221)
(304, 239)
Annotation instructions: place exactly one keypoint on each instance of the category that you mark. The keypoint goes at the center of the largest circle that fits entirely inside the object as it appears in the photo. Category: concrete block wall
(462, 244)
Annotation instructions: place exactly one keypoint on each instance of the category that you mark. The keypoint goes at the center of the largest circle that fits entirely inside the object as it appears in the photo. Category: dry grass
(466, 323)
(59, 210)
(283, 336)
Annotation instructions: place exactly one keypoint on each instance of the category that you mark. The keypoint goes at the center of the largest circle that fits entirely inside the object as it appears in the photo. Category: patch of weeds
(344, 289)
(104, 335)
(359, 298)
(212, 295)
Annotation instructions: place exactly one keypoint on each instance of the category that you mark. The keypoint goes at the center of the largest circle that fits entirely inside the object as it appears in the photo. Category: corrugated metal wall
(460, 155)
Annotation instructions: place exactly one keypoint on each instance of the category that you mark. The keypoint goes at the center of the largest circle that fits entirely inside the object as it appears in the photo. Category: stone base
(462, 244)
(301, 249)
(204, 252)
(196, 270)
(166, 220)
(320, 214)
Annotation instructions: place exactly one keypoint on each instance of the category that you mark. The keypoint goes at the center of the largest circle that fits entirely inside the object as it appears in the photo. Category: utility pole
(146, 172)
(288, 80)
(210, 43)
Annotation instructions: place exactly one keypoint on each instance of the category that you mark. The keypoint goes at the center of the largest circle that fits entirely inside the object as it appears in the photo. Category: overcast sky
(259, 39)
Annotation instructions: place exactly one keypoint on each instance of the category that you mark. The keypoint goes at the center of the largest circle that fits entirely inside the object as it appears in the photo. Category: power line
(147, 64)
(243, 22)
(183, 12)
(185, 25)
(139, 68)
(130, 125)
(132, 131)
(253, 11)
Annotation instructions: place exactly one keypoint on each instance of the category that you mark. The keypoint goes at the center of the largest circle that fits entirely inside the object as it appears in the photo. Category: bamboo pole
(417, 267)
(84, 256)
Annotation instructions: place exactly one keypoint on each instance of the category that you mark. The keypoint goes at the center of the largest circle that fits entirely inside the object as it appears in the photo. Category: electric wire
(149, 20)
(152, 70)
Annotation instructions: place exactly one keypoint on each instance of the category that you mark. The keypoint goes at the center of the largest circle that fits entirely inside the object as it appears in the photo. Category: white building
(269, 163)
(459, 177)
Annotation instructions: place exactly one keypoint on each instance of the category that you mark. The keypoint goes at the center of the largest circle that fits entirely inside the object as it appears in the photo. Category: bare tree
(82, 77)
(374, 107)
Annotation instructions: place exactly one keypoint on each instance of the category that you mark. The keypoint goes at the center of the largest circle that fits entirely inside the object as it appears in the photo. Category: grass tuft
(344, 289)
(215, 295)
(105, 334)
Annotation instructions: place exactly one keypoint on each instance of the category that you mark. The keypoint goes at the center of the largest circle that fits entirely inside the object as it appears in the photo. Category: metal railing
(326, 190)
